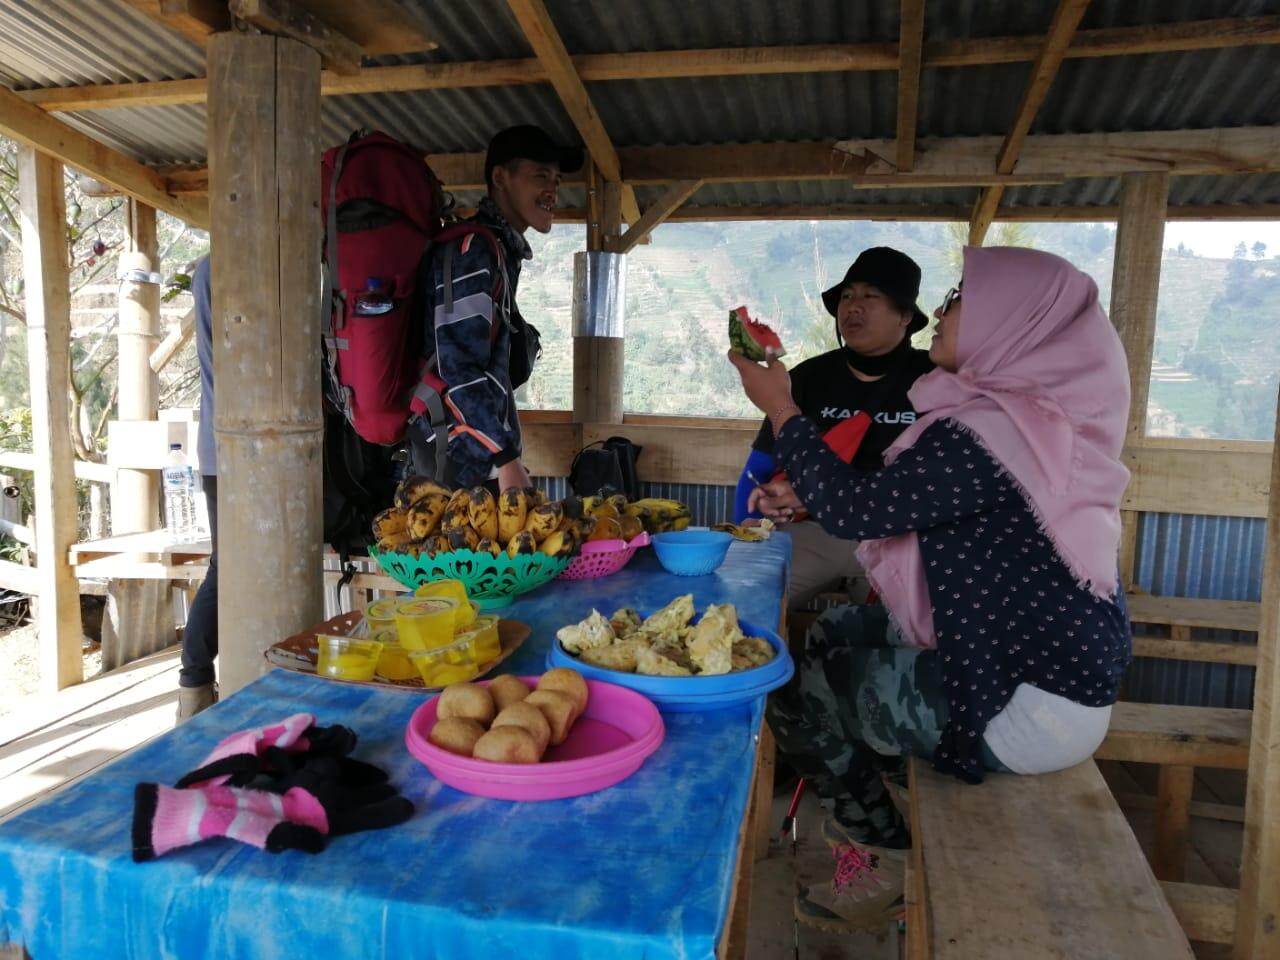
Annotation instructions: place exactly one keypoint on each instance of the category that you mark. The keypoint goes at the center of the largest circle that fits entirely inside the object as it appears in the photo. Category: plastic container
(491, 582)
(381, 614)
(609, 742)
(347, 658)
(692, 553)
(375, 299)
(453, 663)
(444, 588)
(483, 636)
(603, 558)
(393, 662)
(179, 495)
(694, 694)
(423, 624)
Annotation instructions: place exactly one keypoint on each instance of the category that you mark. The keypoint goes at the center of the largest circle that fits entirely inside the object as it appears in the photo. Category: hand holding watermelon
(752, 339)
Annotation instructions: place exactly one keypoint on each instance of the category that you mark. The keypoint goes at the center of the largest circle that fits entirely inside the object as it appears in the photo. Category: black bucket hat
(891, 272)
(527, 142)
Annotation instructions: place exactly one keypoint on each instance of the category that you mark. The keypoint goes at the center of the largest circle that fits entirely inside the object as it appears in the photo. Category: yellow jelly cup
(483, 636)
(381, 614)
(453, 589)
(425, 623)
(453, 663)
(347, 658)
(394, 662)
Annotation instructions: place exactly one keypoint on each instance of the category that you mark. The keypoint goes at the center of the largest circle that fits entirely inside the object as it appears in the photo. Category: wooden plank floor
(47, 742)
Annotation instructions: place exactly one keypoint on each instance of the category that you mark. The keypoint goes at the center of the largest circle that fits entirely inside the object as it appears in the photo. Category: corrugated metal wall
(1218, 558)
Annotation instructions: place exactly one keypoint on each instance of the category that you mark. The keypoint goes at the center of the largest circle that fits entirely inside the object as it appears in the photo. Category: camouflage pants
(859, 704)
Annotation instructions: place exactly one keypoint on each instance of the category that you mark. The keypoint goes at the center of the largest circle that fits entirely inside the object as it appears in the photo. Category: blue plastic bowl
(691, 553)
(694, 694)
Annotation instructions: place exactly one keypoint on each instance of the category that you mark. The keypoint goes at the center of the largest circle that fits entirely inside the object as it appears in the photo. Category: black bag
(612, 465)
(526, 348)
(359, 483)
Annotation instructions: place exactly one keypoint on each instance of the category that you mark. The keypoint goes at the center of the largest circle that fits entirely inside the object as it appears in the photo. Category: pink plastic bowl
(603, 558)
(610, 741)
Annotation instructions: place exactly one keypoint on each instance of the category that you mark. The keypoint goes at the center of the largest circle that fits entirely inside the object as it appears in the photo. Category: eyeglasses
(952, 296)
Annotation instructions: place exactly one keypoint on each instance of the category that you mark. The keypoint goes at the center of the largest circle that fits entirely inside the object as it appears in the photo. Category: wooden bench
(1023, 867)
(1179, 739)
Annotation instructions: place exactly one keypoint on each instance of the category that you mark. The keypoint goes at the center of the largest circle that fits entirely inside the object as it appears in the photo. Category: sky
(1218, 238)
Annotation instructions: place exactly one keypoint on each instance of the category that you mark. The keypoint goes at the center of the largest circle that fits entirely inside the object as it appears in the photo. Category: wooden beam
(286, 18)
(42, 195)
(1206, 914)
(171, 344)
(1061, 29)
(660, 210)
(193, 19)
(264, 123)
(32, 126)
(910, 53)
(1223, 483)
(545, 39)
(741, 61)
(375, 26)
(1257, 921)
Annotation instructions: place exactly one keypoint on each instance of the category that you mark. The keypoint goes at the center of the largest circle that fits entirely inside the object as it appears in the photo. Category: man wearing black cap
(875, 310)
(484, 349)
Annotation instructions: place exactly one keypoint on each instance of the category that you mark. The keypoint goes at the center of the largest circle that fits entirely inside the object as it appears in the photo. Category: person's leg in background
(820, 563)
(197, 688)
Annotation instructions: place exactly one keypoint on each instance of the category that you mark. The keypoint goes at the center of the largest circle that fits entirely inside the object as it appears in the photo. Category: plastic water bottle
(179, 495)
(375, 299)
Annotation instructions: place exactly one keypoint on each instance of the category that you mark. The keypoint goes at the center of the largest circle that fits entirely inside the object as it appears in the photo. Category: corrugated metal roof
(63, 42)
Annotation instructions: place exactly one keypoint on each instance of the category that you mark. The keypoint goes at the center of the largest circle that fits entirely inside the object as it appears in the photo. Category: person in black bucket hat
(866, 377)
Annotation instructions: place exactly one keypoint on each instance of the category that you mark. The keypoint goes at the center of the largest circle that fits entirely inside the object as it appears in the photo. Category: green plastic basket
(491, 582)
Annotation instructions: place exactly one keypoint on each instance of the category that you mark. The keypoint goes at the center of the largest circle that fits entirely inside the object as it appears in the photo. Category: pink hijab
(1043, 385)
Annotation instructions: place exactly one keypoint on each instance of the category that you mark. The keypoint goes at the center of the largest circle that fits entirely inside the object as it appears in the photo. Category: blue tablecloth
(643, 869)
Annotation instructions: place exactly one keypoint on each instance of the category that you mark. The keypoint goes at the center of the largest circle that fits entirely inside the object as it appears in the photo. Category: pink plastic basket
(603, 558)
(612, 738)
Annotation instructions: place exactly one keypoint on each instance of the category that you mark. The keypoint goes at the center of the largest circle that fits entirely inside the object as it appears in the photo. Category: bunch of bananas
(660, 515)
(429, 519)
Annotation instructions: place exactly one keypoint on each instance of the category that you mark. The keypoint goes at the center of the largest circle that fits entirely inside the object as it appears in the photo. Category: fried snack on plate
(619, 655)
(506, 690)
(508, 745)
(529, 718)
(656, 665)
(457, 735)
(571, 682)
(595, 631)
(712, 645)
(624, 620)
(466, 700)
(560, 709)
(755, 651)
(673, 616)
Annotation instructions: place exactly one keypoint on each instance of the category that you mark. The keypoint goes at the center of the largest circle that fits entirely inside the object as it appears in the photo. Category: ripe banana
(543, 521)
(454, 518)
(522, 542)
(395, 543)
(562, 543)
(513, 510)
(572, 506)
(629, 527)
(389, 523)
(463, 538)
(618, 502)
(413, 489)
(435, 544)
(482, 511)
(606, 528)
(659, 515)
(425, 514)
(489, 546)
(536, 495)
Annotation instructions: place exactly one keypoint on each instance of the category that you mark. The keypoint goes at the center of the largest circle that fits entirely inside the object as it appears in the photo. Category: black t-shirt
(826, 391)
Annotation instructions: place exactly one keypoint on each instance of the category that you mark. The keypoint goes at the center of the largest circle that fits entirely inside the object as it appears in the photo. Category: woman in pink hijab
(991, 536)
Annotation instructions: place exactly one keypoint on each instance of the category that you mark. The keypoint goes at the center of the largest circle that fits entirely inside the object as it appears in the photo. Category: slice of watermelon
(752, 339)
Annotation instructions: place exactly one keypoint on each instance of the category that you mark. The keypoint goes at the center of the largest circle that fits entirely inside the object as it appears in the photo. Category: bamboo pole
(135, 504)
(48, 305)
(597, 347)
(264, 116)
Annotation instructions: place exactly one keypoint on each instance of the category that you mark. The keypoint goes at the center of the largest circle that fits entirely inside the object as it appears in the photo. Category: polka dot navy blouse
(1006, 609)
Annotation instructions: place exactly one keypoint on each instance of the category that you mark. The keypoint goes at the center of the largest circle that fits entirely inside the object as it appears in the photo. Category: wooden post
(1135, 286)
(48, 305)
(264, 194)
(1258, 916)
(135, 504)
